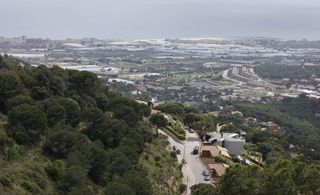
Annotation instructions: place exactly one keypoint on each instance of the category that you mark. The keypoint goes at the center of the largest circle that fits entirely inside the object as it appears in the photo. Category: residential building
(211, 151)
(217, 170)
(273, 127)
(231, 141)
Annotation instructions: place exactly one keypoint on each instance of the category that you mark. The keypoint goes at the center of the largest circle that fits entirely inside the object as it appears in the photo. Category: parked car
(205, 173)
(196, 150)
(174, 148)
(178, 151)
(191, 130)
(207, 178)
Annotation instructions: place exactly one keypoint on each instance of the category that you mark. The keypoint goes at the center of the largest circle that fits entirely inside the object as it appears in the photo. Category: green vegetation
(286, 71)
(279, 168)
(159, 120)
(204, 189)
(286, 177)
(200, 122)
(175, 126)
(164, 172)
(172, 108)
(299, 120)
(190, 116)
(66, 132)
(180, 79)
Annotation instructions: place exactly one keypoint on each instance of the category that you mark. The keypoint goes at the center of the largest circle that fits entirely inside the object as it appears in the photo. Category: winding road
(192, 169)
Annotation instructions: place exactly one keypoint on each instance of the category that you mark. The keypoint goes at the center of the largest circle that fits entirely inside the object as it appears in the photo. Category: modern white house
(231, 141)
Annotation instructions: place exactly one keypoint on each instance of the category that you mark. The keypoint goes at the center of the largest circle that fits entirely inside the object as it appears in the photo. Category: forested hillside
(299, 119)
(287, 71)
(66, 132)
(289, 159)
(286, 177)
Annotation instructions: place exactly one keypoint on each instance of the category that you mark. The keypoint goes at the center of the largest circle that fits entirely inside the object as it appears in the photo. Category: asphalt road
(192, 170)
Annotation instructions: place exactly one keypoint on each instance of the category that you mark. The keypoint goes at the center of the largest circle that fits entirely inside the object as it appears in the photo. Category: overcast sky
(289, 19)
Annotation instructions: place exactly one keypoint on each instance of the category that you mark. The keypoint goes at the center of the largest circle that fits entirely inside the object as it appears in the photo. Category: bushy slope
(65, 132)
(299, 119)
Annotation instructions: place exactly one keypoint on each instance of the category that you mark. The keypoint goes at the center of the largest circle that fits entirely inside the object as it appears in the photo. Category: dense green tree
(92, 114)
(61, 143)
(39, 93)
(26, 77)
(172, 108)
(56, 169)
(42, 80)
(27, 123)
(284, 177)
(203, 189)
(119, 163)
(55, 111)
(193, 117)
(94, 138)
(280, 181)
(159, 121)
(83, 82)
(57, 86)
(99, 170)
(108, 131)
(19, 100)
(242, 180)
(127, 114)
(138, 183)
(230, 128)
(134, 109)
(73, 177)
(307, 178)
(10, 85)
(118, 189)
(102, 101)
(72, 110)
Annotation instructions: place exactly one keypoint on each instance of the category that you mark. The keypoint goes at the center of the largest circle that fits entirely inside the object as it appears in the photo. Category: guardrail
(175, 138)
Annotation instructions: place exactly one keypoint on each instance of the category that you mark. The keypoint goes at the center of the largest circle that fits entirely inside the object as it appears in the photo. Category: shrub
(182, 188)
(157, 158)
(179, 136)
(56, 169)
(173, 154)
(5, 181)
(30, 187)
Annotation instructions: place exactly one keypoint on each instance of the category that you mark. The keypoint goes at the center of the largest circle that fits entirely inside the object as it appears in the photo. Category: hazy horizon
(143, 19)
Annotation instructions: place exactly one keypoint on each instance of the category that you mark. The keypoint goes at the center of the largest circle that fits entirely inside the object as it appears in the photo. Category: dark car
(191, 131)
(205, 173)
(195, 150)
(207, 178)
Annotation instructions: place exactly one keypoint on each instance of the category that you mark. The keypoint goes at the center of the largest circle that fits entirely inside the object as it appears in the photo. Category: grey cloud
(160, 18)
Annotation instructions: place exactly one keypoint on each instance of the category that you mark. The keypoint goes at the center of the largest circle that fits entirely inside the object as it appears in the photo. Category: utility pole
(184, 153)
(187, 184)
